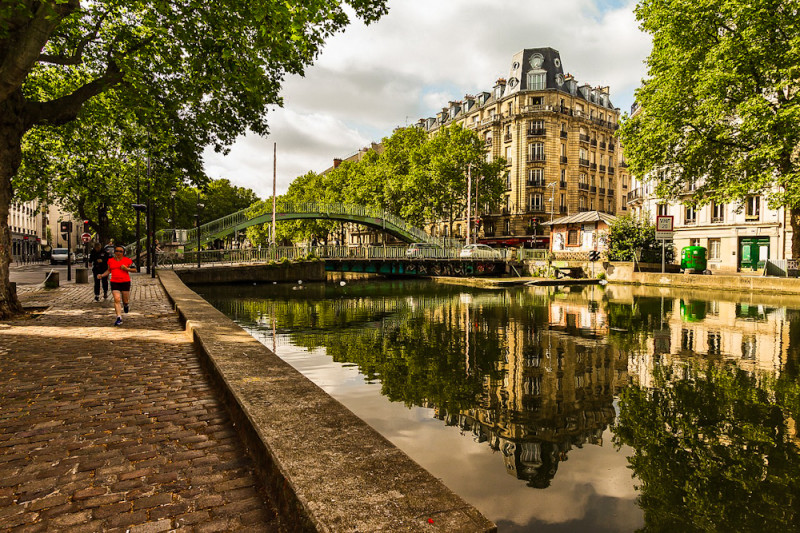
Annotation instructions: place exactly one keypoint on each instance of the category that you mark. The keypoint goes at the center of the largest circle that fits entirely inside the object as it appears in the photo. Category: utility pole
(469, 202)
(273, 240)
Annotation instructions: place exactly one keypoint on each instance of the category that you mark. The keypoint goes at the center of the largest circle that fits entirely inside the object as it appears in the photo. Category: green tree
(211, 68)
(720, 106)
(629, 234)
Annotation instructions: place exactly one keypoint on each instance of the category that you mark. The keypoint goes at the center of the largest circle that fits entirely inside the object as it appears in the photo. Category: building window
(752, 208)
(572, 237)
(714, 249)
(508, 227)
(536, 177)
(536, 152)
(690, 215)
(662, 210)
(536, 81)
(536, 202)
(624, 182)
(717, 213)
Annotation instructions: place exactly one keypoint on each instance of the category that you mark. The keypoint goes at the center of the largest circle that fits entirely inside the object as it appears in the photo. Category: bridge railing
(276, 253)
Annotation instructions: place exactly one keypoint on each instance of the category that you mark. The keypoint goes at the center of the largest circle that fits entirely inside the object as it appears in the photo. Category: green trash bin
(694, 258)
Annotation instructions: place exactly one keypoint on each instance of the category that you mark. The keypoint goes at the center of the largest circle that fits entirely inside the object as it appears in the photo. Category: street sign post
(85, 237)
(664, 232)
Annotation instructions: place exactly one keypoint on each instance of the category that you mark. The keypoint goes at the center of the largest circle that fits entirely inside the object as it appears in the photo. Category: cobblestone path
(107, 428)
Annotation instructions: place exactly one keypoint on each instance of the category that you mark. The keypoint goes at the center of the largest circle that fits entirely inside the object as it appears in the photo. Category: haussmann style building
(557, 137)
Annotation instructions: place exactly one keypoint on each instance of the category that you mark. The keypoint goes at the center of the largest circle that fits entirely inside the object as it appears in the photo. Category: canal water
(562, 409)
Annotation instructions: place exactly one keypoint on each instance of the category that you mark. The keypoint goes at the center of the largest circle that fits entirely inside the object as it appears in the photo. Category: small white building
(582, 232)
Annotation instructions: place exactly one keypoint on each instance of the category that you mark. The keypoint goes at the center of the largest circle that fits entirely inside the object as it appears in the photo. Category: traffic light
(66, 226)
(86, 226)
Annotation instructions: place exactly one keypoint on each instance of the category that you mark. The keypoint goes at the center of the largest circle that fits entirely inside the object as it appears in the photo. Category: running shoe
(96, 298)
(118, 321)
(125, 307)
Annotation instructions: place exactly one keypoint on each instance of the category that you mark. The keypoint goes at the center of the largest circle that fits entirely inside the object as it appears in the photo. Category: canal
(561, 409)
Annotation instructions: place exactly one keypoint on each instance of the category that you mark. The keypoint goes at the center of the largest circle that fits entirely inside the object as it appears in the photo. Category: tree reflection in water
(531, 378)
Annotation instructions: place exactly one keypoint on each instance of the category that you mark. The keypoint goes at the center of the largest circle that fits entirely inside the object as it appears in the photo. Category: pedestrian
(118, 269)
(99, 257)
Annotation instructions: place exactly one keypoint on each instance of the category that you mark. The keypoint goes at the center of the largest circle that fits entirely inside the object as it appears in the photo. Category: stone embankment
(329, 469)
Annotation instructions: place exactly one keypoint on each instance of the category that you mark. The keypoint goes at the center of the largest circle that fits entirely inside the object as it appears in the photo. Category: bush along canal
(561, 408)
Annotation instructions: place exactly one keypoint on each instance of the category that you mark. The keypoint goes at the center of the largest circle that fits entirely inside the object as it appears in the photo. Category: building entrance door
(753, 252)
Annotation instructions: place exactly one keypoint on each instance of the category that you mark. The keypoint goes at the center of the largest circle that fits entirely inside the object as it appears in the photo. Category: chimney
(336, 162)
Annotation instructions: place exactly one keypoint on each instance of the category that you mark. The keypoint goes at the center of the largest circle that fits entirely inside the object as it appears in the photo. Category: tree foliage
(720, 106)
(208, 69)
(630, 234)
(417, 177)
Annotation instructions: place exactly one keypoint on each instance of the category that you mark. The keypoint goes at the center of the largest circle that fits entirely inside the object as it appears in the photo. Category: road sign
(664, 227)
(85, 237)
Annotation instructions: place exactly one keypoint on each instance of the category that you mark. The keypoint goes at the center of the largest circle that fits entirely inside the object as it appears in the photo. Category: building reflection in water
(528, 373)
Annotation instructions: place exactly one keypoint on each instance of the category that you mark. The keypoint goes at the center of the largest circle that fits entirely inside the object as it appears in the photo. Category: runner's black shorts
(122, 286)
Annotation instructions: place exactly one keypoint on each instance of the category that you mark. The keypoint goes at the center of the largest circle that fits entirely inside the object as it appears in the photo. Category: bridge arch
(287, 210)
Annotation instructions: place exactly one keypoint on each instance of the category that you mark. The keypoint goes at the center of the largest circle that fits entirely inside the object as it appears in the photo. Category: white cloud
(371, 79)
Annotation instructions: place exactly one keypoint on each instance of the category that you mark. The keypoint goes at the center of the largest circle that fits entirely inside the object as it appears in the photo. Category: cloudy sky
(423, 53)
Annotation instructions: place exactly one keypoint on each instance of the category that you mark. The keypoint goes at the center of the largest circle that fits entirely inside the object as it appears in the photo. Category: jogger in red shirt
(118, 268)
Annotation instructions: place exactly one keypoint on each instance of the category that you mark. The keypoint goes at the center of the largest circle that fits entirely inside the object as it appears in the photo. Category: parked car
(61, 255)
(423, 249)
(479, 251)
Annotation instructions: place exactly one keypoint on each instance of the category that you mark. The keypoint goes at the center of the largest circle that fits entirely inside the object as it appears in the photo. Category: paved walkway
(115, 429)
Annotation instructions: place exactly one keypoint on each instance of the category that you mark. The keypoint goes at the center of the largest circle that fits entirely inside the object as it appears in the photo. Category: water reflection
(707, 385)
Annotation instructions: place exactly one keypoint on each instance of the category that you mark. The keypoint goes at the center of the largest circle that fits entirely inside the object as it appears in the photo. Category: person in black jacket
(99, 259)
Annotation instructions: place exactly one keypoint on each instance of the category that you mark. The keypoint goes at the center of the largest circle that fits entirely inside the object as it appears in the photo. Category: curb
(329, 470)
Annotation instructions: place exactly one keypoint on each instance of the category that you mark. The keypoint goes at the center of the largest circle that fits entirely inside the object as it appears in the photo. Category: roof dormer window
(536, 81)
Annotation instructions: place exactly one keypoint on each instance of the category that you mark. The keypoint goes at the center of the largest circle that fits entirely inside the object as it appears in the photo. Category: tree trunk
(794, 214)
(12, 128)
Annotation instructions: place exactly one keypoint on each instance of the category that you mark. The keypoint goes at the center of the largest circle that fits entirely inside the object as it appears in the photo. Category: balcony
(602, 168)
(564, 134)
(593, 142)
(535, 108)
(535, 183)
(583, 209)
(563, 160)
(690, 221)
(564, 110)
(583, 162)
(562, 209)
(593, 166)
(610, 147)
(508, 161)
(592, 189)
(507, 137)
(623, 164)
(611, 192)
(635, 195)
(532, 158)
(562, 184)
(583, 186)
(537, 208)
(583, 138)
(610, 170)
(717, 220)
(537, 132)
(601, 190)
(602, 145)
(490, 120)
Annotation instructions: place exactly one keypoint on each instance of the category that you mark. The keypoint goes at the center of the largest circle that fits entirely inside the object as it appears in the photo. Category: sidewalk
(107, 428)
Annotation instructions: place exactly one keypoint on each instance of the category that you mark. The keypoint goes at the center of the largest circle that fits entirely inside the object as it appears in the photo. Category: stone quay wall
(330, 470)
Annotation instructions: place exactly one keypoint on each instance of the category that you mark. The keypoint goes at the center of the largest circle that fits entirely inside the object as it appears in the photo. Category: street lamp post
(197, 226)
(172, 193)
(552, 209)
